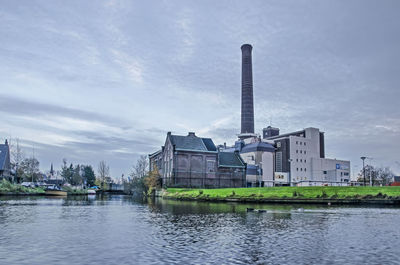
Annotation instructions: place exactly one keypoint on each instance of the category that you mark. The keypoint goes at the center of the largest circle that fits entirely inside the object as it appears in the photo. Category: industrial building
(270, 159)
(296, 158)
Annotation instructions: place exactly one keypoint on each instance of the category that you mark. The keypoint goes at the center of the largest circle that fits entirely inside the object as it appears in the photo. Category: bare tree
(140, 169)
(380, 175)
(385, 175)
(103, 173)
(17, 156)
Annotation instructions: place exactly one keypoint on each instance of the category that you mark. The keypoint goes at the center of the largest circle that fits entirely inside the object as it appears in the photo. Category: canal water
(120, 230)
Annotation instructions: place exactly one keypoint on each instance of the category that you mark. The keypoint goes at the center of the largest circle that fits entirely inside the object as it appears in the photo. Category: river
(119, 230)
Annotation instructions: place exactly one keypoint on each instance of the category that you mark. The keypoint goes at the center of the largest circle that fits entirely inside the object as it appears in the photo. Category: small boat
(55, 191)
(91, 192)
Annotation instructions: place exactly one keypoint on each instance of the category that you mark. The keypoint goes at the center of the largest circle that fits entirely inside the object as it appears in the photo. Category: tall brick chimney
(247, 125)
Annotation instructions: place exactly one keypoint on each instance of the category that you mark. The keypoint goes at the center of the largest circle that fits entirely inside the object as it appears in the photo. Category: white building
(300, 159)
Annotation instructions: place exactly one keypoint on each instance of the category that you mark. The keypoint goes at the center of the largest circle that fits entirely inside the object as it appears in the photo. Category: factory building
(296, 158)
(270, 159)
(300, 159)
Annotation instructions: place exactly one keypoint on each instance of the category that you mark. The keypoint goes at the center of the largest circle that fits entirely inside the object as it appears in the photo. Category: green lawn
(7, 187)
(285, 192)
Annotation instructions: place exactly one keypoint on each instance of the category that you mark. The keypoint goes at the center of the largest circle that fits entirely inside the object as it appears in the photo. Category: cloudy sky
(106, 80)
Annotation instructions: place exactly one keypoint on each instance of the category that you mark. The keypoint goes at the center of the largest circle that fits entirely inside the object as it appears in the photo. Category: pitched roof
(227, 159)
(209, 144)
(192, 142)
(155, 153)
(4, 150)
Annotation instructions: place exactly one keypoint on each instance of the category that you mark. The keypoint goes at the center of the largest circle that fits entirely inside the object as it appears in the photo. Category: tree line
(378, 175)
(26, 169)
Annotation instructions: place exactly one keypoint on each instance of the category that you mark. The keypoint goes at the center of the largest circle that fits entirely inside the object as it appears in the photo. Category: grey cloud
(16, 106)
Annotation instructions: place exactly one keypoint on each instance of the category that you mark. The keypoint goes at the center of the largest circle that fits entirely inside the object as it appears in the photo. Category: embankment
(311, 195)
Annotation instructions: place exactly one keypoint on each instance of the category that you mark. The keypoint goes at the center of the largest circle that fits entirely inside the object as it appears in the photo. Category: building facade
(300, 159)
(191, 161)
(5, 164)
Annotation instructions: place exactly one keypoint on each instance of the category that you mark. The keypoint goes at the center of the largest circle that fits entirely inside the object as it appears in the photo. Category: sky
(106, 80)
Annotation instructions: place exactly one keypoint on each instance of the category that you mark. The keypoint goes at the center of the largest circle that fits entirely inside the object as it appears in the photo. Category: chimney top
(191, 134)
(246, 46)
(6, 142)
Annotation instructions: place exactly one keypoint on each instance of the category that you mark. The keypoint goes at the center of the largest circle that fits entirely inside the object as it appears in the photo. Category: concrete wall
(330, 170)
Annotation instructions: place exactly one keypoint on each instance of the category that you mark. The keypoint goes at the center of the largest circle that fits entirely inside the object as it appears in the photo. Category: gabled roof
(227, 159)
(192, 143)
(4, 150)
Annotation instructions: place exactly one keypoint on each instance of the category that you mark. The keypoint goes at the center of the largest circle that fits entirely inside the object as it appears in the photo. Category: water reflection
(120, 229)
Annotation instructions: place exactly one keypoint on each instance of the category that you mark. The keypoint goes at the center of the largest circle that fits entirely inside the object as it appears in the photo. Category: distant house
(191, 161)
(5, 165)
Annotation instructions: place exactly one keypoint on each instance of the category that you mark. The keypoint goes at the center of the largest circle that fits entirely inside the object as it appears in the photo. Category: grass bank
(7, 188)
(72, 191)
(289, 194)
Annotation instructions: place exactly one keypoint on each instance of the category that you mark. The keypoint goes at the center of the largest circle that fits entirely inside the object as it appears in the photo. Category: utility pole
(363, 159)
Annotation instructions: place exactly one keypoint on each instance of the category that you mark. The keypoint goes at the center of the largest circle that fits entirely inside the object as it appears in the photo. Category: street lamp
(363, 159)
(290, 171)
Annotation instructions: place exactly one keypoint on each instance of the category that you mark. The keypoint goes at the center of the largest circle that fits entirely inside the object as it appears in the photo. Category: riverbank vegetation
(285, 193)
(142, 182)
(8, 187)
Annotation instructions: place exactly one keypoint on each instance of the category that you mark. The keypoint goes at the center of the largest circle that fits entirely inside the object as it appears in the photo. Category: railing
(193, 179)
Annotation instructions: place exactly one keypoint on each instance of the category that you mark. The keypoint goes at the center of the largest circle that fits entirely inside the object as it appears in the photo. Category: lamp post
(290, 171)
(363, 159)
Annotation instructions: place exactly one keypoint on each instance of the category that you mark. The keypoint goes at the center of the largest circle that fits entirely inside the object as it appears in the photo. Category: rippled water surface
(119, 230)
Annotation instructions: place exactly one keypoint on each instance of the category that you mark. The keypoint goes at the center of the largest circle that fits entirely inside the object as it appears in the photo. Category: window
(305, 160)
(305, 169)
(297, 151)
(297, 142)
(297, 169)
(325, 172)
(278, 144)
(297, 160)
(301, 143)
(301, 160)
(301, 169)
(278, 161)
(305, 152)
(301, 151)
(304, 143)
(210, 166)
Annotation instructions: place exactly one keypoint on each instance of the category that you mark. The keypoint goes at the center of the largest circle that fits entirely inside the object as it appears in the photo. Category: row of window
(300, 142)
(301, 169)
(301, 152)
(301, 160)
